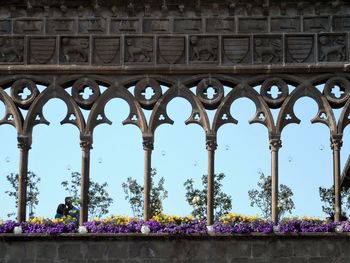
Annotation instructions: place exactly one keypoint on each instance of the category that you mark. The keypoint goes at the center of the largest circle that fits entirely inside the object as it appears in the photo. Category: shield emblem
(42, 49)
(171, 49)
(300, 47)
(107, 49)
(236, 49)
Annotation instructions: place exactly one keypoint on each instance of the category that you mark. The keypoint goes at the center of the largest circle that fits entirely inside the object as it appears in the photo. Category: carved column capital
(24, 142)
(336, 142)
(148, 143)
(211, 143)
(275, 144)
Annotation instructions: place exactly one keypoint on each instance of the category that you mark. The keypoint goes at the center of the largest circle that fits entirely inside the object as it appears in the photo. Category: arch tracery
(195, 89)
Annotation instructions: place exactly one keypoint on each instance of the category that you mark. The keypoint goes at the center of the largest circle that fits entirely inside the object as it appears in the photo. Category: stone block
(330, 248)
(96, 251)
(281, 248)
(305, 248)
(70, 251)
(260, 249)
(239, 249)
(117, 250)
(322, 260)
(46, 250)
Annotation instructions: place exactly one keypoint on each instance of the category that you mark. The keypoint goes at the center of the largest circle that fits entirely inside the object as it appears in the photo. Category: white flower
(17, 230)
(82, 230)
(145, 230)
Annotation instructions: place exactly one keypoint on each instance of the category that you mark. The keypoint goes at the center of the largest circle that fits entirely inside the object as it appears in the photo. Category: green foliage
(134, 195)
(197, 198)
(32, 191)
(99, 199)
(327, 198)
(262, 197)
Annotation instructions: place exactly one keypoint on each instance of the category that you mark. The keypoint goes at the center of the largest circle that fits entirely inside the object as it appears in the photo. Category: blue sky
(179, 154)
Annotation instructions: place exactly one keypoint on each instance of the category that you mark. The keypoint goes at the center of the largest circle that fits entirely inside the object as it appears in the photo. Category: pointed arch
(97, 114)
(35, 113)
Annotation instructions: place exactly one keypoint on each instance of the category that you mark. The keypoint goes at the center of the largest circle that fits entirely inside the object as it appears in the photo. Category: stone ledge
(133, 236)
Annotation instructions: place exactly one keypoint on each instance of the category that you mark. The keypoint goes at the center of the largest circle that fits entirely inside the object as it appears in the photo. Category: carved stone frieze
(74, 49)
(332, 47)
(268, 49)
(106, 50)
(316, 24)
(300, 48)
(28, 26)
(203, 49)
(139, 49)
(188, 25)
(285, 24)
(125, 26)
(11, 49)
(42, 50)
(171, 50)
(5, 26)
(220, 25)
(61, 26)
(159, 26)
(236, 50)
(252, 25)
(94, 25)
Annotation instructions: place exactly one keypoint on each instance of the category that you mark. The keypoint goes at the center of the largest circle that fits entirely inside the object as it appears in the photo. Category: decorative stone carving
(42, 50)
(140, 93)
(189, 25)
(125, 26)
(287, 24)
(252, 25)
(159, 26)
(220, 25)
(300, 48)
(74, 50)
(203, 48)
(236, 50)
(11, 49)
(282, 92)
(148, 143)
(28, 26)
(139, 49)
(316, 24)
(106, 50)
(94, 25)
(24, 92)
(337, 91)
(5, 26)
(267, 50)
(210, 100)
(61, 26)
(85, 92)
(341, 23)
(171, 50)
(331, 48)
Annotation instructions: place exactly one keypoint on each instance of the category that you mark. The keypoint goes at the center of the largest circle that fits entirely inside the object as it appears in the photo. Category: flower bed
(175, 225)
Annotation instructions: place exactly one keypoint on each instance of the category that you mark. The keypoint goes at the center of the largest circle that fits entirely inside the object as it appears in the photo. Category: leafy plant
(262, 198)
(197, 198)
(99, 199)
(32, 191)
(134, 195)
(327, 198)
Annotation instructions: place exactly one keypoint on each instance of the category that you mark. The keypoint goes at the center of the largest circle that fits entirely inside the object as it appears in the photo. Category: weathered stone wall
(310, 248)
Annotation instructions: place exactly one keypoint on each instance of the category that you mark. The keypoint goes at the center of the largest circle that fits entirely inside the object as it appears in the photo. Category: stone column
(147, 143)
(275, 145)
(24, 145)
(211, 146)
(86, 146)
(336, 144)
